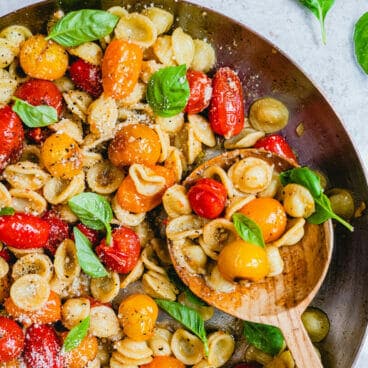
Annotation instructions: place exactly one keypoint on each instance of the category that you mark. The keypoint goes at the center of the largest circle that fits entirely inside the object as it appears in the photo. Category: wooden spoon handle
(297, 339)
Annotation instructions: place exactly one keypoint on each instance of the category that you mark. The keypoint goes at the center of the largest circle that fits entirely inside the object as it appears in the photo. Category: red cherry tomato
(277, 144)
(11, 136)
(86, 77)
(207, 197)
(200, 92)
(59, 230)
(11, 339)
(42, 347)
(122, 254)
(226, 113)
(5, 254)
(24, 231)
(41, 92)
(94, 236)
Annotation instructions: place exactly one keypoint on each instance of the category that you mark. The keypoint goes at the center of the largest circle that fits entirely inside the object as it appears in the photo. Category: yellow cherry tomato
(164, 362)
(269, 215)
(137, 315)
(243, 260)
(62, 156)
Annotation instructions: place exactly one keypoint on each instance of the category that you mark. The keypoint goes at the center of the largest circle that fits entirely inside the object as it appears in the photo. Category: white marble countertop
(296, 31)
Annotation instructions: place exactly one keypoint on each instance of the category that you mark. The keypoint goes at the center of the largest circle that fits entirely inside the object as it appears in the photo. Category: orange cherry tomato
(82, 354)
(129, 198)
(135, 144)
(269, 215)
(121, 66)
(164, 362)
(50, 312)
(43, 59)
(138, 314)
(243, 260)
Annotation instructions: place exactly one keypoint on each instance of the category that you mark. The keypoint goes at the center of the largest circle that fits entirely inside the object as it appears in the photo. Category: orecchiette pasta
(130, 353)
(88, 51)
(16, 34)
(191, 256)
(204, 56)
(4, 268)
(171, 125)
(159, 343)
(236, 204)
(202, 129)
(298, 201)
(8, 86)
(216, 172)
(161, 19)
(146, 181)
(5, 197)
(187, 347)
(164, 141)
(220, 348)
(31, 153)
(246, 138)
(175, 201)
(22, 252)
(74, 311)
(275, 262)
(217, 282)
(105, 289)
(33, 263)
(104, 322)
(66, 262)
(69, 127)
(104, 178)
(183, 47)
(176, 162)
(186, 226)
(163, 50)
(78, 103)
(134, 275)
(125, 217)
(294, 233)
(157, 285)
(28, 201)
(135, 97)
(187, 141)
(8, 51)
(150, 262)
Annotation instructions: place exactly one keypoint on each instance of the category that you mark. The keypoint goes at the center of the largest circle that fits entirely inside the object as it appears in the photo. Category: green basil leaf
(187, 317)
(193, 299)
(303, 176)
(6, 211)
(93, 210)
(361, 41)
(248, 230)
(168, 91)
(76, 335)
(89, 262)
(34, 116)
(320, 9)
(264, 337)
(80, 26)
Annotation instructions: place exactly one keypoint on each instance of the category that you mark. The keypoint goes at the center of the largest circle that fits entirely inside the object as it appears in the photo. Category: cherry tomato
(5, 254)
(130, 200)
(11, 136)
(122, 254)
(121, 66)
(138, 314)
(243, 260)
(50, 312)
(41, 92)
(11, 339)
(277, 144)
(207, 197)
(38, 135)
(200, 91)
(226, 113)
(42, 347)
(23, 231)
(269, 215)
(94, 236)
(164, 362)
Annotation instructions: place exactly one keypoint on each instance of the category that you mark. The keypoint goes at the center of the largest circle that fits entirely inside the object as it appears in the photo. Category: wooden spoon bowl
(278, 300)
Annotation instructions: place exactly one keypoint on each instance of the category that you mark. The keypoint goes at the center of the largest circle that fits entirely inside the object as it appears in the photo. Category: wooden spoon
(280, 300)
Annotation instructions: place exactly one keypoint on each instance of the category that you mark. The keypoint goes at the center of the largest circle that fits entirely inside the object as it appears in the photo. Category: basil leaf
(80, 26)
(34, 116)
(76, 335)
(310, 180)
(264, 337)
(93, 210)
(168, 90)
(361, 41)
(320, 9)
(89, 262)
(6, 211)
(248, 230)
(187, 317)
(193, 299)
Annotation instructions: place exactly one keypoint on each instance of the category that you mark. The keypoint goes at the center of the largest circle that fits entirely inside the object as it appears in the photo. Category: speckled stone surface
(296, 32)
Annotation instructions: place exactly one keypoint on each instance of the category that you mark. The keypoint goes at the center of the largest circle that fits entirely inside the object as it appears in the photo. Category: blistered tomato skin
(200, 92)
(226, 114)
(94, 236)
(11, 340)
(43, 59)
(11, 137)
(59, 230)
(42, 347)
(277, 144)
(138, 314)
(41, 92)
(23, 231)
(207, 197)
(122, 254)
(164, 362)
(121, 66)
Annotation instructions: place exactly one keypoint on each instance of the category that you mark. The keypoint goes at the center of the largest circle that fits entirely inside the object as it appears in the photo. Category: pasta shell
(204, 56)
(8, 85)
(203, 364)
(136, 28)
(176, 162)
(65, 213)
(186, 226)
(274, 188)
(175, 201)
(104, 178)
(186, 347)
(64, 84)
(146, 181)
(220, 348)
(216, 281)
(15, 74)
(150, 261)
(298, 201)
(4, 288)
(134, 275)
(78, 102)
(171, 125)
(293, 234)
(245, 139)
(4, 267)
(201, 128)
(186, 141)
(135, 97)
(161, 18)
(191, 257)
(33, 263)
(105, 289)
(183, 47)
(275, 262)
(5, 197)
(161, 250)
(8, 51)
(95, 363)
(164, 141)
(216, 172)
(66, 261)
(158, 285)
(31, 153)
(89, 52)
(69, 127)
(125, 217)
(104, 322)
(22, 252)
(164, 51)
(74, 311)
(130, 352)
(90, 158)
(27, 201)
(144, 232)
(148, 68)
(119, 11)
(25, 175)
(159, 343)
(16, 34)
(236, 204)
(30, 292)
